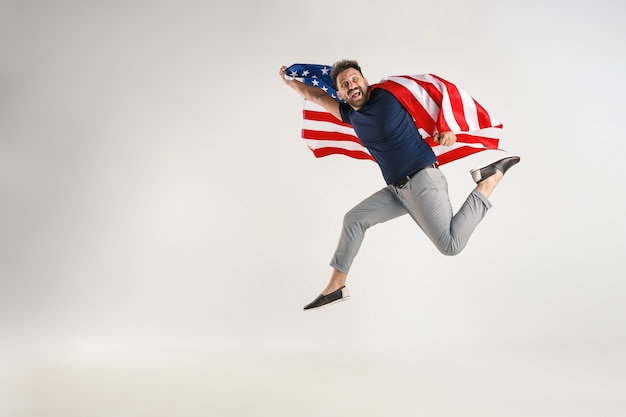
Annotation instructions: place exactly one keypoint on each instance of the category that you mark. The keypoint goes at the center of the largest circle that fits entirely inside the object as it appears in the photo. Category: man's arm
(313, 94)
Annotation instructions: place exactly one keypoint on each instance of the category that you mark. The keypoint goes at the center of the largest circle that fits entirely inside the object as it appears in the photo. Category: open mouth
(356, 94)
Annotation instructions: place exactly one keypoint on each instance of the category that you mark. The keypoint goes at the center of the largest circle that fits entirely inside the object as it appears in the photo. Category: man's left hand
(445, 138)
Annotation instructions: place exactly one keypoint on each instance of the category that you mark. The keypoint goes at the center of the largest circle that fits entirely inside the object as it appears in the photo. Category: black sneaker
(341, 294)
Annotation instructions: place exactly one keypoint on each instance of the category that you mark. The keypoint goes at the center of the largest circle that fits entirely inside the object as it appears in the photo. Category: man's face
(352, 87)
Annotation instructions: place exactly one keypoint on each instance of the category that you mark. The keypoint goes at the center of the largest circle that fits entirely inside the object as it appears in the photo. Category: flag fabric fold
(435, 104)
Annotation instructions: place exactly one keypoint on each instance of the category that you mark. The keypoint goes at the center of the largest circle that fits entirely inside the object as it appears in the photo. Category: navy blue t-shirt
(388, 131)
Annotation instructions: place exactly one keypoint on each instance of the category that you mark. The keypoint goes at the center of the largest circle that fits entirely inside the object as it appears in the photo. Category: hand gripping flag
(435, 104)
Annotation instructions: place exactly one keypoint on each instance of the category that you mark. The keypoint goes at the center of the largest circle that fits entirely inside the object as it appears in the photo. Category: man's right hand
(282, 74)
(313, 94)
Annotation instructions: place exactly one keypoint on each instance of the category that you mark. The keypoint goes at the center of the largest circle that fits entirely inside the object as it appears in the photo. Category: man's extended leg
(426, 199)
(377, 208)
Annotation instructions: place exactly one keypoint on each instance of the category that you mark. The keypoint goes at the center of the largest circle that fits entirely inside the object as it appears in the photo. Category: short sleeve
(346, 112)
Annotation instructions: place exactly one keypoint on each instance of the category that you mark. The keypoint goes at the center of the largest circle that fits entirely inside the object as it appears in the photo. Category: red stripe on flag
(319, 116)
(488, 143)
(326, 135)
(322, 152)
(436, 96)
(483, 116)
(458, 112)
(430, 88)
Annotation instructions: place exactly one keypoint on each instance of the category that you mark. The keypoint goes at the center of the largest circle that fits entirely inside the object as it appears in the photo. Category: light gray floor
(501, 383)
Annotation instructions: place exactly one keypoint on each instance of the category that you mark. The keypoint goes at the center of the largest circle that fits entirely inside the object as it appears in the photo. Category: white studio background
(155, 186)
(155, 192)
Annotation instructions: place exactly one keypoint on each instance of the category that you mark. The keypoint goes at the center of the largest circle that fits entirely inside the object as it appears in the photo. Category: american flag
(435, 104)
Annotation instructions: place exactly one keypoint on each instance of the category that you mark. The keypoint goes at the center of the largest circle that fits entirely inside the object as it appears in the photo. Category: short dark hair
(341, 66)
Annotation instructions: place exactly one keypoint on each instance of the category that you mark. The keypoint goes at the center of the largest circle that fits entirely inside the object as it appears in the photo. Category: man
(415, 185)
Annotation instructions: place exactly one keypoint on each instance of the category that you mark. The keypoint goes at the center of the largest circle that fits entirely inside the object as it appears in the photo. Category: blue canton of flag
(315, 75)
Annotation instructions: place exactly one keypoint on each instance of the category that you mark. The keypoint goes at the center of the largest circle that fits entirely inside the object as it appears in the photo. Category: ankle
(337, 280)
(487, 186)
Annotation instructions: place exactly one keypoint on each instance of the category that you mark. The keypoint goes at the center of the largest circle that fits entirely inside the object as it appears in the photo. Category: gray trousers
(425, 198)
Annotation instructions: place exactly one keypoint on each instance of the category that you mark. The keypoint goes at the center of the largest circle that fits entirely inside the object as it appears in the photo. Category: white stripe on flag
(419, 93)
(327, 127)
(347, 145)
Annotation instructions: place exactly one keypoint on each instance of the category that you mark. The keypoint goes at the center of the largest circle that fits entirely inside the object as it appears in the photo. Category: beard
(360, 98)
